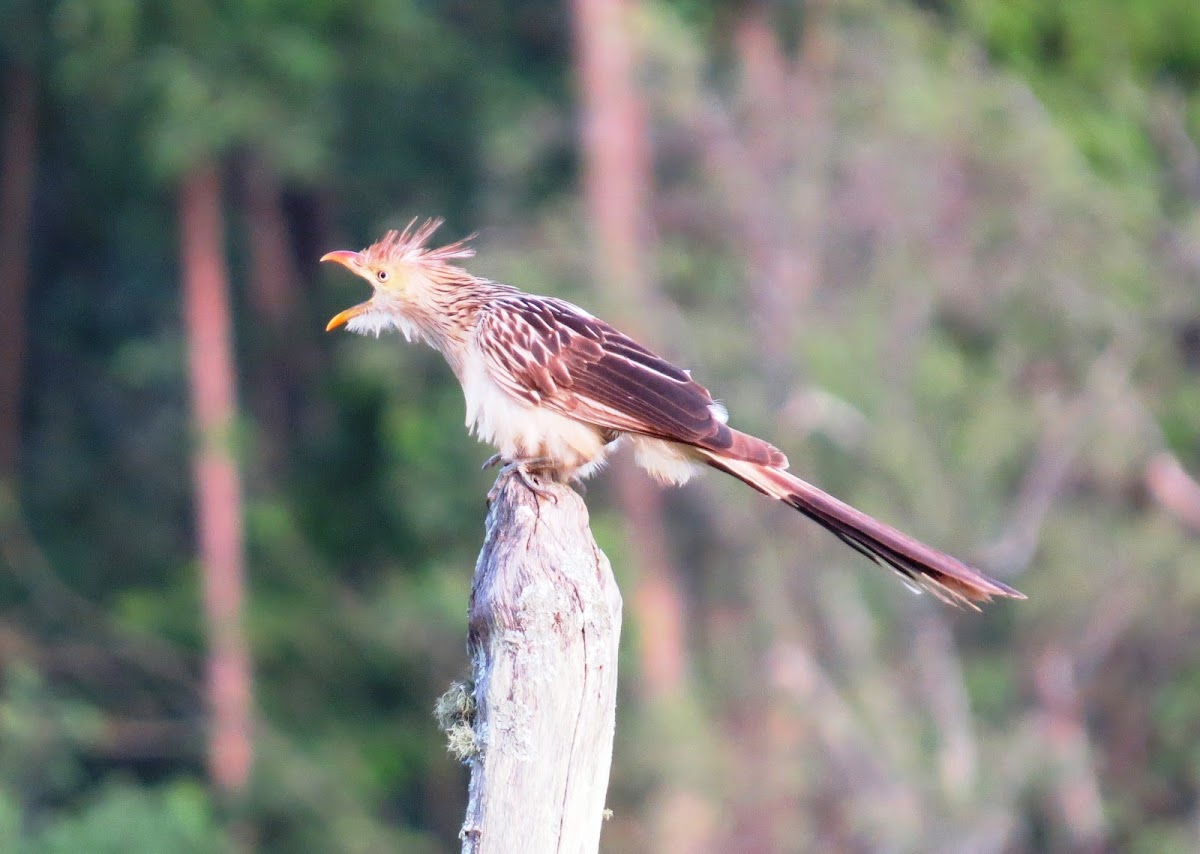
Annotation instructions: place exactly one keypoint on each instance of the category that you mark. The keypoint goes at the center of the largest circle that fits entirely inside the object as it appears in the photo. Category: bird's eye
(381, 275)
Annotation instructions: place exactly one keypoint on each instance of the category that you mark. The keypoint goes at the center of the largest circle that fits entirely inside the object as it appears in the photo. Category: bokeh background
(945, 253)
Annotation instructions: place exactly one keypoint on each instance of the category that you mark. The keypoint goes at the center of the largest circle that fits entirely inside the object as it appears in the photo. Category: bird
(556, 390)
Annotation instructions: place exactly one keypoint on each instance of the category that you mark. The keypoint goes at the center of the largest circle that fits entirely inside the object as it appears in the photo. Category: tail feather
(743, 446)
(928, 569)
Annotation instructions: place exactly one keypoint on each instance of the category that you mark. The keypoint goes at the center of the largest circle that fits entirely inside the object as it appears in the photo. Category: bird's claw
(525, 474)
(524, 471)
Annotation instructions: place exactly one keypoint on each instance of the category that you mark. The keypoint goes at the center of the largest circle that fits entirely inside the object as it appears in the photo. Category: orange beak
(343, 316)
(352, 261)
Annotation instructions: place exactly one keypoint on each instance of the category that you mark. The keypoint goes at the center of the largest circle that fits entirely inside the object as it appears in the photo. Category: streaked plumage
(556, 389)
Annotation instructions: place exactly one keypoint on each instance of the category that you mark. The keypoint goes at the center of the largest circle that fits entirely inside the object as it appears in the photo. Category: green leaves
(126, 819)
(204, 79)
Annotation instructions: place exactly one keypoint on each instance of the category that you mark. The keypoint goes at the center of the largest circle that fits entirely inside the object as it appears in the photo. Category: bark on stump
(545, 620)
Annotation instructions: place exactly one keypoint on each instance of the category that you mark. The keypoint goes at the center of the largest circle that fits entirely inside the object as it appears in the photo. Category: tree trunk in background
(617, 181)
(616, 152)
(616, 178)
(19, 167)
(218, 490)
(272, 281)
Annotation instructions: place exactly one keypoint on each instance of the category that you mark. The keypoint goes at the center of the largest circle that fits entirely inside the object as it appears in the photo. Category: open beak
(343, 316)
(352, 261)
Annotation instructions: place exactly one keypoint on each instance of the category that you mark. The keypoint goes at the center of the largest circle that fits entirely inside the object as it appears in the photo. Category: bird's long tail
(942, 575)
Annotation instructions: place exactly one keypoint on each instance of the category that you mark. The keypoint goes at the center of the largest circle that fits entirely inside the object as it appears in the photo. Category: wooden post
(545, 620)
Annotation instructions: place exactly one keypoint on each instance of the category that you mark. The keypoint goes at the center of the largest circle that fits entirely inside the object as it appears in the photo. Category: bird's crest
(409, 246)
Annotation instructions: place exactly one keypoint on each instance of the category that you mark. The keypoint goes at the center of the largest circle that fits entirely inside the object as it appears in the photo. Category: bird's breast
(521, 430)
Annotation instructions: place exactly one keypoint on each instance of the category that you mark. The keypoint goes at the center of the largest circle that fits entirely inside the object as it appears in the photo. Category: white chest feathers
(521, 430)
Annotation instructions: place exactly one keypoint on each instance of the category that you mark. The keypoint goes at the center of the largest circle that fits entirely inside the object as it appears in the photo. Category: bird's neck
(446, 317)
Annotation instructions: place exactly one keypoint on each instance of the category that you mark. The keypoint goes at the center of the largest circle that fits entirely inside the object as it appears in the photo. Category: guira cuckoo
(556, 390)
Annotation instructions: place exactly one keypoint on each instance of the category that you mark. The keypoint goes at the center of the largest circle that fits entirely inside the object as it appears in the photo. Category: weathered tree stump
(545, 620)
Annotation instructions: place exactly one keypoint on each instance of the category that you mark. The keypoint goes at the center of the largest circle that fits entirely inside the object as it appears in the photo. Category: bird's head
(402, 270)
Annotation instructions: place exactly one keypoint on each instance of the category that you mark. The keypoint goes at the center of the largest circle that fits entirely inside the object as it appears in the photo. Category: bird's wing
(551, 353)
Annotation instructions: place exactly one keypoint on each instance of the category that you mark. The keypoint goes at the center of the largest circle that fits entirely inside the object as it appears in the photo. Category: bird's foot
(493, 460)
(528, 472)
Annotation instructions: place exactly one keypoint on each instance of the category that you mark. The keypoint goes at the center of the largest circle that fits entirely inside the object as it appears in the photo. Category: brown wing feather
(554, 354)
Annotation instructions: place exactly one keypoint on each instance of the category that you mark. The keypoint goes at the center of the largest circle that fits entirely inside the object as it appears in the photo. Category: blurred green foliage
(1000, 201)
